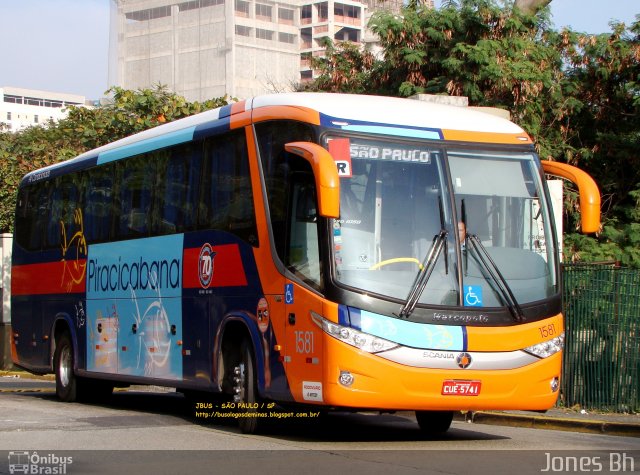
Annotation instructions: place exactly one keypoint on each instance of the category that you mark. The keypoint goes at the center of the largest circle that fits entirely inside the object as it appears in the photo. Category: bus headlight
(547, 348)
(356, 338)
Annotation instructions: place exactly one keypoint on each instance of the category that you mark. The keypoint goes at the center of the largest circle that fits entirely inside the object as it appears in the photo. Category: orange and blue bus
(335, 251)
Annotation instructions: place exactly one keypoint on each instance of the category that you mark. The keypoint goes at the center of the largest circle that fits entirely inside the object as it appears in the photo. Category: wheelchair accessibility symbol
(288, 293)
(472, 296)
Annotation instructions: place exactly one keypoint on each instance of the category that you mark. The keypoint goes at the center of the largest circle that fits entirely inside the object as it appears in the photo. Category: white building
(21, 108)
(343, 20)
(203, 49)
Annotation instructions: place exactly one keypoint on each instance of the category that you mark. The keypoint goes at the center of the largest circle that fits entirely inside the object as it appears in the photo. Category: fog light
(555, 384)
(346, 378)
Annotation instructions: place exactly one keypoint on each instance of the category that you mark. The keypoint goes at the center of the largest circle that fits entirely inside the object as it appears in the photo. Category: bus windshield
(400, 198)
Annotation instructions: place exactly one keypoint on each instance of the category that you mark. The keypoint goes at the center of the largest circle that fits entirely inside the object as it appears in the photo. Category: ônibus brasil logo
(205, 265)
(27, 462)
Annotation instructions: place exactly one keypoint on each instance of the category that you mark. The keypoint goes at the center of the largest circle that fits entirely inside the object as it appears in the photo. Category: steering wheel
(396, 260)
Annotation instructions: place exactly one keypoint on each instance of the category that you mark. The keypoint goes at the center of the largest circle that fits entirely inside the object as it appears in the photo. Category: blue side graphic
(212, 128)
(155, 143)
(225, 111)
(473, 296)
(134, 307)
(416, 335)
(400, 131)
(377, 128)
(465, 339)
(343, 315)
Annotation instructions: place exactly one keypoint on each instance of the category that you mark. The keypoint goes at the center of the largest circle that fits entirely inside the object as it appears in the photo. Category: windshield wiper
(496, 275)
(420, 282)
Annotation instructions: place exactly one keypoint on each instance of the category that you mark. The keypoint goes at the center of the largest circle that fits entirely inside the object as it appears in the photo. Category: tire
(434, 422)
(66, 381)
(247, 396)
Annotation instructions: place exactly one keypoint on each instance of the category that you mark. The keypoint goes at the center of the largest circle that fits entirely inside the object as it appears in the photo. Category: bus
(329, 251)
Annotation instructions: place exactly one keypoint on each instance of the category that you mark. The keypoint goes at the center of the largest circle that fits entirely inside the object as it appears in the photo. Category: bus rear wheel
(434, 422)
(66, 382)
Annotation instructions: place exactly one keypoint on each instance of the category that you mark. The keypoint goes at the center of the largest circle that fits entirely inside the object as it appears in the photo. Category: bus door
(303, 341)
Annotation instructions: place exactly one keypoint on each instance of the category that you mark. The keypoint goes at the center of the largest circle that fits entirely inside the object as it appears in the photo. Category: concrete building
(343, 20)
(21, 108)
(206, 48)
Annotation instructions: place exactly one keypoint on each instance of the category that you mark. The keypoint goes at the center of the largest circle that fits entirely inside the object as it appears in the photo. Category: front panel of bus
(437, 287)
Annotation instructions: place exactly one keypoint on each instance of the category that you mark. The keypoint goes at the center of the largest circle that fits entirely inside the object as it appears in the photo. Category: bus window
(65, 200)
(303, 256)
(501, 199)
(272, 136)
(178, 199)
(226, 201)
(136, 196)
(98, 204)
(32, 213)
(390, 211)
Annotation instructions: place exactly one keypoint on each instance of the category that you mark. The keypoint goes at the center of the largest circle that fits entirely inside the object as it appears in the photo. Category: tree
(83, 129)
(603, 129)
(577, 95)
(494, 56)
(346, 68)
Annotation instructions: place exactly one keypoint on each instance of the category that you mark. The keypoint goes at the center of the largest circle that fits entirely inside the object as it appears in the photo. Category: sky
(63, 45)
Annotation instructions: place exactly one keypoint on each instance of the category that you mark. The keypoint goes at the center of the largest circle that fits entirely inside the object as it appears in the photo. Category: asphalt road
(141, 432)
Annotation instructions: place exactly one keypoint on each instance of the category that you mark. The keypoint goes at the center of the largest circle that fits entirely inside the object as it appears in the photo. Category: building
(206, 48)
(341, 21)
(203, 49)
(21, 108)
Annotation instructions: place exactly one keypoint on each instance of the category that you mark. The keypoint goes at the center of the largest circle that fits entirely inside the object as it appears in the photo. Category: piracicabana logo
(34, 463)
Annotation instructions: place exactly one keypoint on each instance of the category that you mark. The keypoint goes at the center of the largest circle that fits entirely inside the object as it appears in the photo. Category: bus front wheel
(434, 422)
(66, 382)
(246, 390)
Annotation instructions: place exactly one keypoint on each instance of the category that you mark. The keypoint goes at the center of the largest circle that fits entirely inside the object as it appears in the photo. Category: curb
(24, 374)
(28, 390)
(550, 423)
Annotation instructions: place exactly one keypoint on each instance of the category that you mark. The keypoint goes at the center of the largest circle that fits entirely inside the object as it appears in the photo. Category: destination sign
(389, 152)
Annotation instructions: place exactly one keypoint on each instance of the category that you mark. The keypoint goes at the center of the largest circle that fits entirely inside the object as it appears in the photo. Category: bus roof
(378, 114)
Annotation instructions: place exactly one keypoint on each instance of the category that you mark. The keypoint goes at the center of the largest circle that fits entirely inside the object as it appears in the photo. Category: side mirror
(325, 173)
(589, 193)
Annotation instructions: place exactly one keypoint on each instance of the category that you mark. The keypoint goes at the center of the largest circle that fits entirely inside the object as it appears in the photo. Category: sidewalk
(627, 425)
(15, 373)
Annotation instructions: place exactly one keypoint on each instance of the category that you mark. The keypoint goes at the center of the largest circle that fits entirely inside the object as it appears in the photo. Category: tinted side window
(302, 252)
(98, 213)
(32, 212)
(272, 136)
(181, 170)
(65, 218)
(137, 178)
(226, 199)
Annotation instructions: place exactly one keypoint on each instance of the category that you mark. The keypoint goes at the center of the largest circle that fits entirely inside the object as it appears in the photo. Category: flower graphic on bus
(153, 330)
(74, 253)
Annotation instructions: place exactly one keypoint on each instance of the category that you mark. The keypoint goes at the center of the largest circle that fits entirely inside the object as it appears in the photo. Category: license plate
(461, 388)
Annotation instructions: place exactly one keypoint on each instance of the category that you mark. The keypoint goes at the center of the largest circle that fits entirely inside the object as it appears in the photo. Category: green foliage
(345, 68)
(83, 129)
(577, 95)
